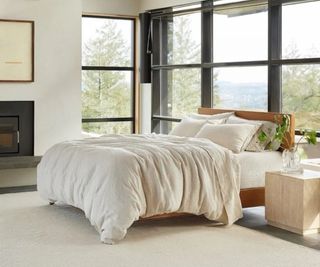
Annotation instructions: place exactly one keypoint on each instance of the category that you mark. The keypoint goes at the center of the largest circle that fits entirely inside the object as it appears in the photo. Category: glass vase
(291, 161)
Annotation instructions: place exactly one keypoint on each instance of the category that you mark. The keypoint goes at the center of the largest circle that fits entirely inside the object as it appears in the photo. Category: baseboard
(18, 189)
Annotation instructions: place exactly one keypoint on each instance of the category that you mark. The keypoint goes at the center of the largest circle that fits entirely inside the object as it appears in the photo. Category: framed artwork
(16, 51)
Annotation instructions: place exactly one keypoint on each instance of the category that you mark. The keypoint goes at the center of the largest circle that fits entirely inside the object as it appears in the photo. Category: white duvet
(116, 179)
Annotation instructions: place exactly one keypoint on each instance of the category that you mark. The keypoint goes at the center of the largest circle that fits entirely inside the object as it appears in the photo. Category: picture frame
(16, 50)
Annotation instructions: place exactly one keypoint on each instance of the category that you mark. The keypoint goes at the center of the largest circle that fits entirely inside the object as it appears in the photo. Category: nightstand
(293, 201)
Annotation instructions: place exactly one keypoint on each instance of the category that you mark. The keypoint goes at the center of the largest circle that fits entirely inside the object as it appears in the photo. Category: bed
(118, 179)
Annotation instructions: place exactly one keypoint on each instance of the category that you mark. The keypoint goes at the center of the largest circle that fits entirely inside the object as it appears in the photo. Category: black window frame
(273, 63)
(118, 68)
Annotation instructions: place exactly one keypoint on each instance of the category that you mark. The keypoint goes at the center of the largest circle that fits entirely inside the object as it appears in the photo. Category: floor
(254, 219)
(35, 234)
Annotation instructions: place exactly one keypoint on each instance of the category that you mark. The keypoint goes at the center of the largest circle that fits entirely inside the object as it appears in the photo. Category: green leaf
(310, 136)
(262, 136)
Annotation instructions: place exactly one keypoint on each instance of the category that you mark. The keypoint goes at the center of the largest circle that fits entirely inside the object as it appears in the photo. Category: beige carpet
(33, 233)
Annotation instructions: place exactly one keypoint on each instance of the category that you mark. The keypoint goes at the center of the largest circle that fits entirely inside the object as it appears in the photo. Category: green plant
(309, 135)
(282, 133)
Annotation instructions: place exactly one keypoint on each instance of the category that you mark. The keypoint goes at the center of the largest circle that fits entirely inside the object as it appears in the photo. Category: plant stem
(296, 147)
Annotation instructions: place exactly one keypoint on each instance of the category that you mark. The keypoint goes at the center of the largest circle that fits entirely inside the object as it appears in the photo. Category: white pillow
(211, 117)
(268, 127)
(232, 136)
(220, 121)
(187, 127)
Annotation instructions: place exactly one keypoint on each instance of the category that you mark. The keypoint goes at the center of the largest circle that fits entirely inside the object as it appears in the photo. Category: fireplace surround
(16, 128)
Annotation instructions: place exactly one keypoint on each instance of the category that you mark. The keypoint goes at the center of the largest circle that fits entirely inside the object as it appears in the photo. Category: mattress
(255, 164)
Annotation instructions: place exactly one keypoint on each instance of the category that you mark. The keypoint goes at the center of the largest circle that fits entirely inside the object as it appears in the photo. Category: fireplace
(9, 134)
(16, 128)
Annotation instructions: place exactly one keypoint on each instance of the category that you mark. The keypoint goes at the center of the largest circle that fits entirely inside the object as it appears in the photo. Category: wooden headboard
(255, 115)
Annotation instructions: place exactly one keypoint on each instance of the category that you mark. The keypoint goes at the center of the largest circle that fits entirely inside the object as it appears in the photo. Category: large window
(108, 75)
(253, 55)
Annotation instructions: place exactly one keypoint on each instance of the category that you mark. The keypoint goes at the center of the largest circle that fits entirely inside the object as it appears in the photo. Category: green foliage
(283, 126)
(106, 93)
(282, 132)
(262, 136)
(184, 85)
(310, 136)
(301, 92)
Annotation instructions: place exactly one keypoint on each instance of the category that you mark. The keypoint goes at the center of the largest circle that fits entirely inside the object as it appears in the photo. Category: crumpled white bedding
(116, 179)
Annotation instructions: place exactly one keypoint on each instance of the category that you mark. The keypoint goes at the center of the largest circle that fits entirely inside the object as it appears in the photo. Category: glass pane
(107, 42)
(164, 126)
(183, 95)
(241, 88)
(240, 34)
(106, 94)
(94, 128)
(300, 22)
(301, 94)
(184, 39)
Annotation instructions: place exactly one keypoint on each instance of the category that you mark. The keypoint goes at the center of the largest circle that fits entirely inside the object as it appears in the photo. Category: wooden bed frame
(250, 197)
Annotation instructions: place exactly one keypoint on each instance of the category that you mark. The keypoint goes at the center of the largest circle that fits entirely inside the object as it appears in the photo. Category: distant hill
(243, 95)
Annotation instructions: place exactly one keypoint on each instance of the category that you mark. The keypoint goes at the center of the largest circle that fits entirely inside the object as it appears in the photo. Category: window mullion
(155, 74)
(206, 55)
(274, 53)
(164, 32)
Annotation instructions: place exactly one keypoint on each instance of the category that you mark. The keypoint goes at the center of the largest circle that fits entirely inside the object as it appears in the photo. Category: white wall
(56, 90)
(111, 7)
(154, 4)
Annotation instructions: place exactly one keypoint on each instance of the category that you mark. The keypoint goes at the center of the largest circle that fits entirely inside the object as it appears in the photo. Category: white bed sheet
(255, 164)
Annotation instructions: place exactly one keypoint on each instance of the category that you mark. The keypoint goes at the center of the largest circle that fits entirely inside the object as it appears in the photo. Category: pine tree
(106, 93)
(184, 85)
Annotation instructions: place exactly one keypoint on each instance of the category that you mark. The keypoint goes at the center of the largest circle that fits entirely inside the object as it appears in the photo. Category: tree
(106, 93)
(301, 92)
(184, 85)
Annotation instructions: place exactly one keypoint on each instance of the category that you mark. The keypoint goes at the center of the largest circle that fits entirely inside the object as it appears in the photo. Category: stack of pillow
(228, 130)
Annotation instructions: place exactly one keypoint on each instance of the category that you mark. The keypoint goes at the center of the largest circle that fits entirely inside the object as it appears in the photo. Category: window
(255, 55)
(301, 68)
(177, 81)
(108, 75)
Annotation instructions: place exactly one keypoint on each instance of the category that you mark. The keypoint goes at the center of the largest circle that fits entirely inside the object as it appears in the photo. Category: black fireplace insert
(9, 134)
(16, 128)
